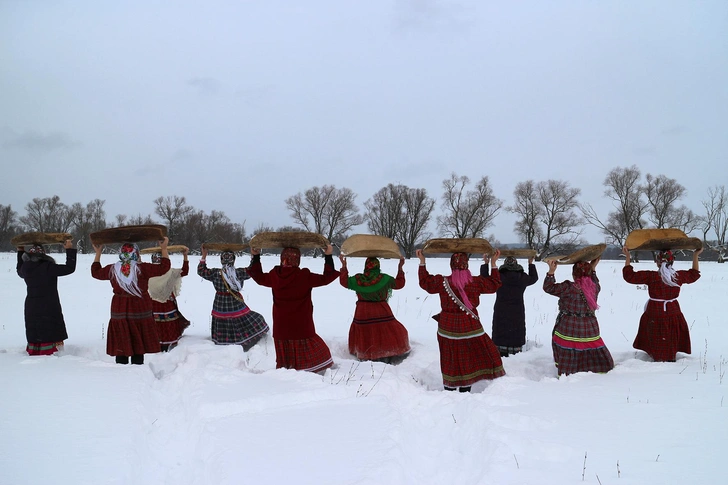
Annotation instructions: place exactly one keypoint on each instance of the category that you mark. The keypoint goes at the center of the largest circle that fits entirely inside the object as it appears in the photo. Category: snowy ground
(206, 414)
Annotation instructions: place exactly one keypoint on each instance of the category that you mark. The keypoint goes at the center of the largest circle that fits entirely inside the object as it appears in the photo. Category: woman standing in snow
(132, 332)
(374, 333)
(509, 312)
(663, 331)
(233, 322)
(164, 291)
(45, 329)
(467, 354)
(297, 344)
(576, 343)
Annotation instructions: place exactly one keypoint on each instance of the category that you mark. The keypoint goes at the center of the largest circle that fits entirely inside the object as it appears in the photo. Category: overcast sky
(238, 105)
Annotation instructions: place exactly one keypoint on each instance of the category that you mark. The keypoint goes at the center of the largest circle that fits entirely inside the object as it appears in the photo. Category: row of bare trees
(549, 216)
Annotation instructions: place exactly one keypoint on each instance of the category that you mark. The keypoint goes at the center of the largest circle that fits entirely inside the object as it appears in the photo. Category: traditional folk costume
(233, 322)
(132, 331)
(467, 354)
(509, 312)
(576, 343)
(296, 342)
(164, 291)
(45, 329)
(374, 333)
(663, 331)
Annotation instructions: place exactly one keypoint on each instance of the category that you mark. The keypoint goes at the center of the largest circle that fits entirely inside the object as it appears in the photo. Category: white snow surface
(207, 414)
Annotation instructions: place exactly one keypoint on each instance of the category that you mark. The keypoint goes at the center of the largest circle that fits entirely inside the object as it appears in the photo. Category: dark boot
(122, 359)
(464, 389)
(165, 347)
(137, 359)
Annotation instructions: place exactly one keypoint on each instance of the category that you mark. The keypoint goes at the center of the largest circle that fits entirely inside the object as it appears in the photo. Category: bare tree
(120, 219)
(86, 220)
(198, 228)
(400, 213)
(467, 213)
(662, 193)
(325, 210)
(173, 210)
(528, 210)
(624, 189)
(48, 214)
(418, 208)
(140, 220)
(8, 226)
(547, 220)
(385, 209)
(716, 218)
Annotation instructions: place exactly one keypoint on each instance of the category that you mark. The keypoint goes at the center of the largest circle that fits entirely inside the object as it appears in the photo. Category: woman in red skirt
(575, 342)
(663, 331)
(374, 333)
(294, 335)
(132, 332)
(164, 291)
(467, 354)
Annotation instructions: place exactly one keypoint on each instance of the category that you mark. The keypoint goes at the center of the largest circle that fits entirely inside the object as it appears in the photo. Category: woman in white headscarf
(132, 332)
(663, 330)
(233, 322)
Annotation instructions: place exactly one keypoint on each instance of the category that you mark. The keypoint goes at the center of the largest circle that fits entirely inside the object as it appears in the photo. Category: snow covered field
(206, 414)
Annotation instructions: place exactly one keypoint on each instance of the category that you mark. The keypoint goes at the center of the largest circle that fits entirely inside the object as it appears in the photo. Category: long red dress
(294, 335)
(170, 321)
(131, 327)
(467, 354)
(663, 331)
(374, 333)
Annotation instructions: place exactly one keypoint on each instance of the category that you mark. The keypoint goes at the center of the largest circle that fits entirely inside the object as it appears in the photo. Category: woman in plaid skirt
(467, 354)
(576, 343)
(663, 331)
(164, 291)
(132, 332)
(296, 342)
(374, 333)
(233, 323)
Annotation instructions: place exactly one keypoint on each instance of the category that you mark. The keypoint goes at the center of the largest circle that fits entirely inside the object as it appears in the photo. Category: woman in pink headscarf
(576, 343)
(132, 331)
(663, 331)
(467, 354)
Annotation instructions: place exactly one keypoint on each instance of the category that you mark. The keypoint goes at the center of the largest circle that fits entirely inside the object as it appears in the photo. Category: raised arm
(70, 266)
(330, 273)
(185, 263)
(696, 264)
(399, 280)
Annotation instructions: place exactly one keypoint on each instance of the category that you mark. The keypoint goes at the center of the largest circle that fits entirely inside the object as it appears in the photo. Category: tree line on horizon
(549, 216)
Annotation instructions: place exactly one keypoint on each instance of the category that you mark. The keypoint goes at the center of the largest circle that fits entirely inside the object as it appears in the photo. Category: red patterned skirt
(577, 345)
(466, 361)
(309, 354)
(132, 330)
(43, 348)
(375, 333)
(663, 331)
(170, 322)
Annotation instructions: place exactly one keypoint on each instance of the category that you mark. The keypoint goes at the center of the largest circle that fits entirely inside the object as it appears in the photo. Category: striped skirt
(43, 348)
(468, 359)
(578, 347)
(238, 327)
(170, 322)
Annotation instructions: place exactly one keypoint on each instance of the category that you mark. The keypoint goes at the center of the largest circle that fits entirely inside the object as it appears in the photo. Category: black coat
(43, 316)
(509, 312)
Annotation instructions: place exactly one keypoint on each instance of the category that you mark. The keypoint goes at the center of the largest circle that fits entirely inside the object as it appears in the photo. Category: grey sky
(238, 105)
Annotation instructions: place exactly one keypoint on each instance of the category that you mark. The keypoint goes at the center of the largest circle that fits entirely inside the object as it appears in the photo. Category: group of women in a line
(145, 317)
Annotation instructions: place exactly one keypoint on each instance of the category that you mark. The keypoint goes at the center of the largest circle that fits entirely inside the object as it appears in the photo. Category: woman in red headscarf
(294, 335)
(467, 354)
(663, 331)
(132, 331)
(576, 343)
(374, 333)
